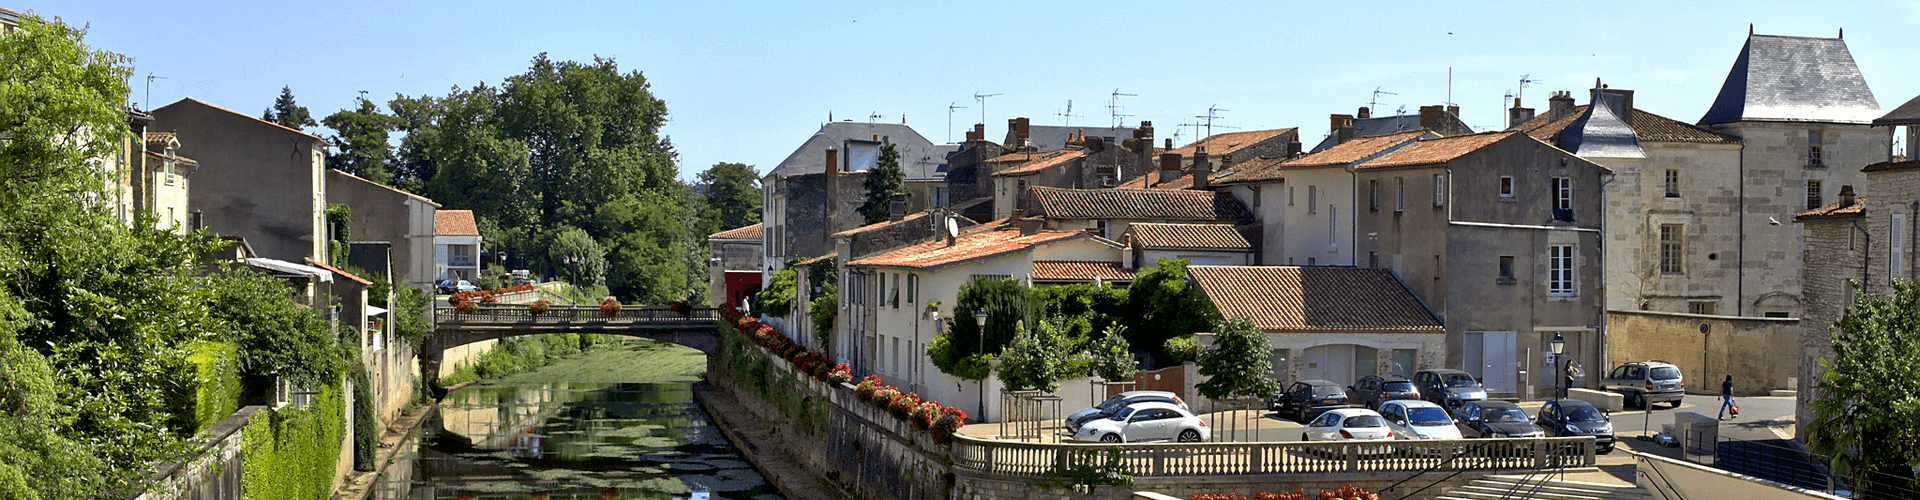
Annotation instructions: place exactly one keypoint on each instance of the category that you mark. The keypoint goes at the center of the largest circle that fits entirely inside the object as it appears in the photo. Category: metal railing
(1182, 459)
(574, 314)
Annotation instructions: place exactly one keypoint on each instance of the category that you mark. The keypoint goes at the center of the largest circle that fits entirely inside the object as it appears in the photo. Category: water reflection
(572, 440)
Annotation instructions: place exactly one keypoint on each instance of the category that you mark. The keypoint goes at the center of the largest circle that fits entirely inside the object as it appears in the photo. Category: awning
(290, 268)
(373, 310)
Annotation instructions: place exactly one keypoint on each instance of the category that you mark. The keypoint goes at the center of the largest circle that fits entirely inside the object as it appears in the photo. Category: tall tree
(591, 132)
(1239, 363)
(732, 193)
(885, 180)
(1036, 360)
(1864, 411)
(285, 112)
(1165, 305)
(360, 141)
(455, 152)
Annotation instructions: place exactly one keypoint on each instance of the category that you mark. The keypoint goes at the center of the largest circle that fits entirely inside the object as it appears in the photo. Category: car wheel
(1638, 400)
(1189, 436)
(1110, 438)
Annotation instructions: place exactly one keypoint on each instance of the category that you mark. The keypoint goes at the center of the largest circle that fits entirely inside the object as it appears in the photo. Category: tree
(1036, 360)
(1166, 305)
(1007, 303)
(55, 88)
(286, 113)
(1112, 357)
(1240, 362)
(360, 141)
(575, 253)
(1864, 410)
(591, 133)
(455, 153)
(884, 181)
(732, 193)
(777, 298)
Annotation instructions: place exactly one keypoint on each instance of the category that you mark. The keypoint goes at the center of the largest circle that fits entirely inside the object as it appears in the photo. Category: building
(1226, 149)
(804, 201)
(257, 179)
(1306, 204)
(1328, 323)
(1441, 120)
(165, 191)
(1108, 212)
(1199, 244)
(733, 268)
(456, 245)
(405, 220)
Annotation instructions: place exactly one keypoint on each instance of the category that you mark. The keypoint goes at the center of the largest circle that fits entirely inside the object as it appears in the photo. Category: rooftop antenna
(950, 107)
(1213, 111)
(1067, 117)
(150, 79)
(1375, 101)
(873, 116)
(1113, 106)
(983, 105)
(1524, 81)
(1449, 102)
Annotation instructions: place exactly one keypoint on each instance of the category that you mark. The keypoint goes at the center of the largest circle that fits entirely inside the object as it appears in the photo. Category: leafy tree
(777, 298)
(591, 133)
(1007, 303)
(275, 335)
(360, 141)
(1101, 307)
(455, 152)
(55, 86)
(824, 309)
(732, 194)
(1036, 360)
(1864, 410)
(885, 180)
(1112, 357)
(1166, 305)
(1240, 362)
(36, 461)
(572, 251)
(286, 113)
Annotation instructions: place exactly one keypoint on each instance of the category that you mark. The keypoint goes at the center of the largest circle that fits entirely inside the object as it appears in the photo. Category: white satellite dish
(953, 229)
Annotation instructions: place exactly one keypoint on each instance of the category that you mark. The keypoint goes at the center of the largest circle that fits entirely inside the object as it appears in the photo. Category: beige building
(1305, 205)
(168, 174)
(1329, 323)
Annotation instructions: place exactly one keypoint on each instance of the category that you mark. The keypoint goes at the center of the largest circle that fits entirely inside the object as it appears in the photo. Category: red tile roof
(1139, 204)
(1287, 299)
(1835, 211)
(986, 240)
(1185, 181)
(1435, 151)
(1356, 149)
(343, 274)
(1061, 270)
(1648, 126)
(1187, 236)
(1041, 161)
(1229, 142)
(454, 223)
(739, 233)
(160, 138)
(1018, 156)
(181, 159)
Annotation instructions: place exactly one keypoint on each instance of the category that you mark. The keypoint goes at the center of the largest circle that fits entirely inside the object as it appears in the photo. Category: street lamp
(980, 335)
(1559, 345)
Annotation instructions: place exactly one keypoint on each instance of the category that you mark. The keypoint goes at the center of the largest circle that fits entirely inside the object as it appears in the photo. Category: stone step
(1491, 492)
(1555, 489)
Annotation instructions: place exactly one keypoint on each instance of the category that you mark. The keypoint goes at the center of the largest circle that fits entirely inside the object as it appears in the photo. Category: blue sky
(748, 82)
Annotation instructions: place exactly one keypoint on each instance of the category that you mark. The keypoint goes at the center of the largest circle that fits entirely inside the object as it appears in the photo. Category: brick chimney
(1169, 167)
(1293, 147)
(1846, 195)
(1364, 113)
(1342, 128)
(1517, 115)
(1559, 105)
(1430, 116)
(1202, 169)
(1453, 109)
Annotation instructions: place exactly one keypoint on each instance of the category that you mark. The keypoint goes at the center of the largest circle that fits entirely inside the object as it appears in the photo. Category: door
(1498, 361)
(1330, 362)
(1366, 361)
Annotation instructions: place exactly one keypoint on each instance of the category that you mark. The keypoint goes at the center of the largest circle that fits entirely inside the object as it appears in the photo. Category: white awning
(373, 310)
(290, 268)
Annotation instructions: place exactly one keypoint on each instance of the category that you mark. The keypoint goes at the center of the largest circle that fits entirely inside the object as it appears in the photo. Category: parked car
(1374, 389)
(448, 286)
(1115, 403)
(1573, 417)
(1494, 419)
(1647, 382)
(1448, 388)
(1307, 399)
(1142, 422)
(1350, 424)
(1416, 419)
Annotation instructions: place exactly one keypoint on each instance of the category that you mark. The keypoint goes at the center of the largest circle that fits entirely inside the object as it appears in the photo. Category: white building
(456, 245)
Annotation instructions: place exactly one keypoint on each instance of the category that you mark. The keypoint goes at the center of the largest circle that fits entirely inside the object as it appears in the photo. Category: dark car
(1573, 417)
(1448, 388)
(1493, 419)
(1647, 382)
(1307, 399)
(1115, 403)
(1374, 389)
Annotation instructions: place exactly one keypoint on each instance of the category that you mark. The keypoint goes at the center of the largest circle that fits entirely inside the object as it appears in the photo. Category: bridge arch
(695, 327)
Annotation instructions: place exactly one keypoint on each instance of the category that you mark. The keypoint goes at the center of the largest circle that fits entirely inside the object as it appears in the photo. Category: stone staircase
(1512, 487)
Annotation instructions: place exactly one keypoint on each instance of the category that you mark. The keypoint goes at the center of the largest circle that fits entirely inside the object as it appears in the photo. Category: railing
(560, 314)
(1184, 459)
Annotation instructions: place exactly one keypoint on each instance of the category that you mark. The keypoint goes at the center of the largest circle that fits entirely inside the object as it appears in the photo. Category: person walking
(1726, 397)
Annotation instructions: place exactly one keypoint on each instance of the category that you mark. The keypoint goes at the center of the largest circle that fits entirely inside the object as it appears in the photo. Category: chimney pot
(1559, 105)
(1846, 195)
(1429, 115)
(1202, 170)
(1364, 113)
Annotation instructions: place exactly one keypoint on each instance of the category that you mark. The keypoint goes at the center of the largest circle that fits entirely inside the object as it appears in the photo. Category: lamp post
(980, 335)
(1559, 345)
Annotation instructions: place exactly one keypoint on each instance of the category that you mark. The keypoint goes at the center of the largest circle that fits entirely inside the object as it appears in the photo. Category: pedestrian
(1726, 397)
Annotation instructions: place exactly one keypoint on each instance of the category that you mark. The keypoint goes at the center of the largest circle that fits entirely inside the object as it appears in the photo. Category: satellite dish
(953, 229)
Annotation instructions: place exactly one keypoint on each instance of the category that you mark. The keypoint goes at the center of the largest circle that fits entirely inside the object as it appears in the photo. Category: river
(619, 423)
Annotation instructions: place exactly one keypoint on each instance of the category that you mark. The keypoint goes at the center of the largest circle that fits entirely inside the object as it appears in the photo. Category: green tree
(275, 336)
(1007, 303)
(54, 87)
(777, 298)
(732, 193)
(1036, 360)
(1112, 357)
(360, 141)
(579, 256)
(591, 133)
(1165, 305)
(885, 180)
(1240, 363)
(1864, 411)
(455, 153)
(288, 114)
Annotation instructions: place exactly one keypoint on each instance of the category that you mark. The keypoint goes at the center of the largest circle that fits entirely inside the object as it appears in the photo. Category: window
(1671, 249)
(1560, 270)
(1506, 268)
(913, 287)
(1310, 261)
(1439, 190)
(1813, 194)
(1895, 234)
(1373, 195)
(1700, 307)
(1333, 226)
(1506, 186)
(1814, 138)
(1673, 183)
(1290, 196)
(1399, 194)
(896, 291)
(1373, 259)
(1313, 198)
(1563, 193)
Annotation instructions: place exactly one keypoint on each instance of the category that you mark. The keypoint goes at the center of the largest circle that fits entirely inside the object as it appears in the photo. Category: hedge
(216, 391)
(290, 453)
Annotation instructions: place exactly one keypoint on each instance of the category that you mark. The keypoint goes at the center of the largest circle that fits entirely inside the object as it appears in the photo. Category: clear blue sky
(748, 82)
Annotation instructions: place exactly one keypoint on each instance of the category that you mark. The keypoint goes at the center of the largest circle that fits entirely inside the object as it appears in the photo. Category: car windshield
(1459, 380)
(1110, 403)
(1666, 373)
(1364, 421)
(1326, 390)
(1583, 414)
(1121, 416)
(1504, 415)
(1401, 386)
(1428, 416)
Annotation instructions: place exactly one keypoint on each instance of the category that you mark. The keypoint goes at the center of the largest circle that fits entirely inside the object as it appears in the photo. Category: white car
(1416, 419)
(1351, 424)
(1146, 421)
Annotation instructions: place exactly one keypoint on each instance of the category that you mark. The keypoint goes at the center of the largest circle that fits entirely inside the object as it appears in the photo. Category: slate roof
(1354, 150)
(1436, 151)
(920, 159)
(1229, 142)
(1159, 235)
(1835, 211)
(1047, 137)
(1600, 133)
(739, 233)
(1038, 161)
(983, 241)
(1391, 124)
(1061, 270)
(1906, 114)
(1138, 204)
(454, 223)
(1648, 127)
(1793, 78)
(1290, 299)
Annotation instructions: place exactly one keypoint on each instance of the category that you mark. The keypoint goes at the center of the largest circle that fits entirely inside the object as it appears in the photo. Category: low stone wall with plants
(294, 452)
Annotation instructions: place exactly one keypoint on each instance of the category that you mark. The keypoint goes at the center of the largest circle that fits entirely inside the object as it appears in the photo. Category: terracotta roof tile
(1139, 204)
(1649, 126)
(1043, 160)
(160, 138)
(1356, 149)
(1185, 181)
(986, 240)
(181, 159)
(740, 233)
(1155, 235)
(815, 260)
(1018, 156)
(454, 223)
(338, 272)
(1435, 151)
(1224, 143)
(1060, 270)
(1287, 299)
(1835, 211)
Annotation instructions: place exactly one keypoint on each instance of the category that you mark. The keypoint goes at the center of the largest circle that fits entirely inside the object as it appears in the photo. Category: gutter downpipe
(1740, 271)
(1353, 195)
(1866, 252)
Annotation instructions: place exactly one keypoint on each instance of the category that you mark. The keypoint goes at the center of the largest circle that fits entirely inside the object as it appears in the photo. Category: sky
(749, 82)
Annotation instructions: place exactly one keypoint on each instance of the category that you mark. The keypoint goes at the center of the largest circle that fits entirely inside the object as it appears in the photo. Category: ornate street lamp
(980, 334)
(1559, 345)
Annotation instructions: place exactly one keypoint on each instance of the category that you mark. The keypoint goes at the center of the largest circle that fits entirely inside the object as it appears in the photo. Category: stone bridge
(696, 327)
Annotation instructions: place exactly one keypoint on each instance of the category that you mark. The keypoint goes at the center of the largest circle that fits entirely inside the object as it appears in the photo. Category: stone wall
(972, 486)
(212, 474)
(1750, 349)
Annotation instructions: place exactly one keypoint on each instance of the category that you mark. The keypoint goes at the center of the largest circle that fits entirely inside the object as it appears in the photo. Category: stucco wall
(1304, 231)
(1747, 348)
(381, 213)
(256, 179)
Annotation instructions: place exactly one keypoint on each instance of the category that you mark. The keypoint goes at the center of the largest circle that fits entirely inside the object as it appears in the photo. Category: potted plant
(539, 307)
(610, 307)
(681, 307)
(466, 307)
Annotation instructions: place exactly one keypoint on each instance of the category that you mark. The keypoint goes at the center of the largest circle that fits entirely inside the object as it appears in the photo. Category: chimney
(1126, 252)
(1023, 128)
(1453, 109)
(1169, 167)
(896, 207)
(1559, 105)
(1169, 145)
(1342, 128)
(1846, 195)
(1202, 169)
(833, 162)
(1364, 113)
(1517, 115)
(1430, 115)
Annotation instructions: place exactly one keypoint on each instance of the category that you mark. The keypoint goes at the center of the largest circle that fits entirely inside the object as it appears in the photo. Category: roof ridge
(251, 117)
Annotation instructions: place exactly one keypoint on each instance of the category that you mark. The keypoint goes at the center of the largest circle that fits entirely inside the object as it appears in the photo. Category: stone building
(733, 266)
(804, 201)
(257, 179)
(1441, 120)
(1328, 323)
(1108, 212)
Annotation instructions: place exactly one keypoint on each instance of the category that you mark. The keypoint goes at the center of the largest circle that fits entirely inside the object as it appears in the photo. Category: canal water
(612, 424)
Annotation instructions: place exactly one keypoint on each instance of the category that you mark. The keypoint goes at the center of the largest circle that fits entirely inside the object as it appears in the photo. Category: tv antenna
(1524, 81)
(150, 79)
(1375, 101)
(873, 116)
(1113, 106)
(1213, 112)
(950, 107)
(1067, 117)
(983, 105)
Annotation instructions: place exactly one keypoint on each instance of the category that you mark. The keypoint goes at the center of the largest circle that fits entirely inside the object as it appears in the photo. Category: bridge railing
(1184, 459)
(575, 314)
